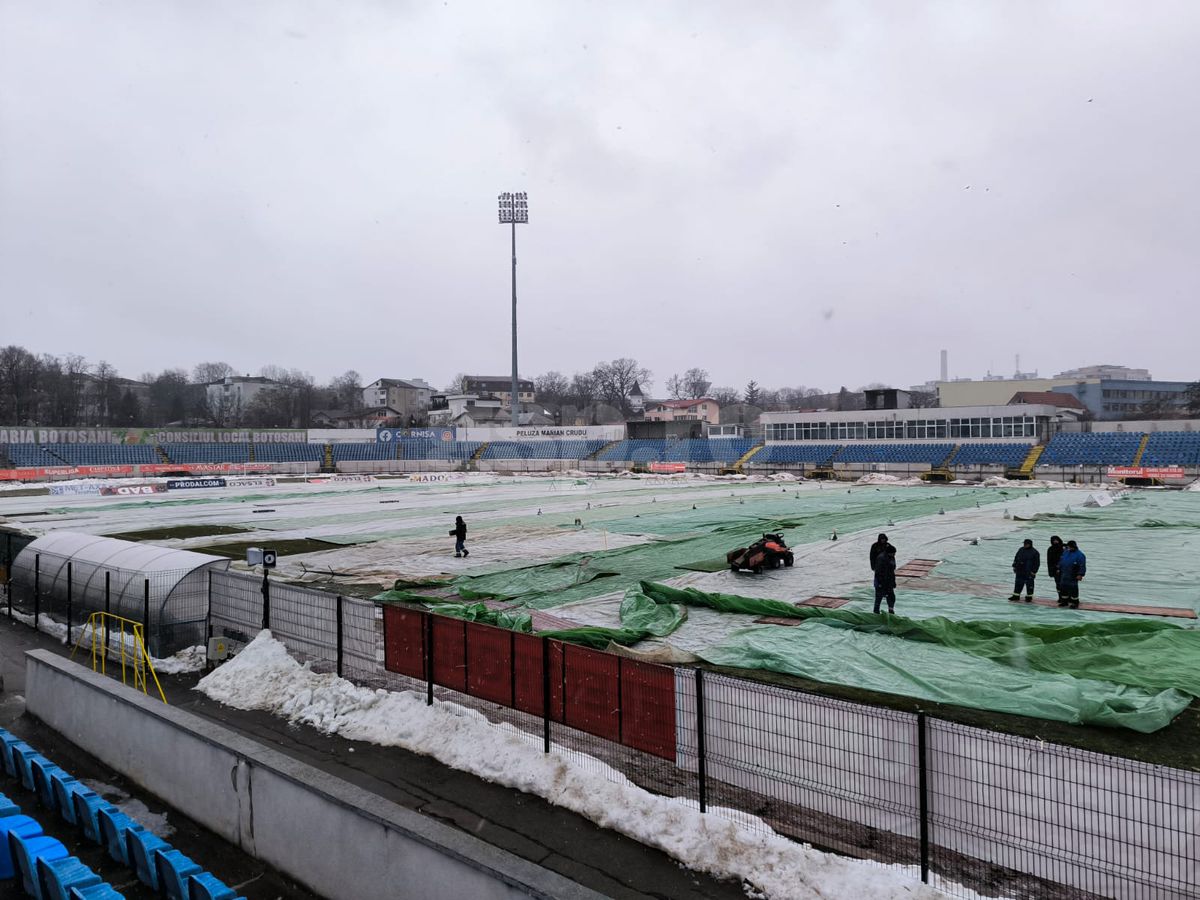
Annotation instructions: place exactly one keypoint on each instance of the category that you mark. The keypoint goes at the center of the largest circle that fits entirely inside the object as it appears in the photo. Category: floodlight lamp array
(514, 208)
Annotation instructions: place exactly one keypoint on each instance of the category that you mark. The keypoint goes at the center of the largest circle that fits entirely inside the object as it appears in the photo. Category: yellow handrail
(136, 663)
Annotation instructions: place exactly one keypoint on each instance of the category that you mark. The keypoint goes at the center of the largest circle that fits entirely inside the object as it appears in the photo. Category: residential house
(499, 386)
(700, 409)
(410, 397)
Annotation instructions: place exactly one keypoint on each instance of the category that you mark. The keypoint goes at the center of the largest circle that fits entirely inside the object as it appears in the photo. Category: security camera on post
(259, 556)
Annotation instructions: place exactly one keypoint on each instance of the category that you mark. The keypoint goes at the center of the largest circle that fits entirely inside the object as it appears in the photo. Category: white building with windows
(1023, 423)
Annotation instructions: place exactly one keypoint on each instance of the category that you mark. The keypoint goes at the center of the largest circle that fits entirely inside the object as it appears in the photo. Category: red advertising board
(39, 473)
(1145, 472)
(668, 468)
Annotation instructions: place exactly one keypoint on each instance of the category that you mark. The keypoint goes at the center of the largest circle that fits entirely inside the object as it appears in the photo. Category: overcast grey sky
(796, 192)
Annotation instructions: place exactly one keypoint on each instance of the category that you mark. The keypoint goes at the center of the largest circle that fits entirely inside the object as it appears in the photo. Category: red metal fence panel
(404, 641)
(648, 708)
(450, 653)
(609, 696)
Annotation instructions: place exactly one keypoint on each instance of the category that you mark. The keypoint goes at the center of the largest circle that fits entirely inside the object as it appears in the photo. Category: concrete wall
(339, 840)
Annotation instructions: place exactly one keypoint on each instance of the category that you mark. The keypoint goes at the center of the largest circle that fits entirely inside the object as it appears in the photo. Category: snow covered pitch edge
(263, 676)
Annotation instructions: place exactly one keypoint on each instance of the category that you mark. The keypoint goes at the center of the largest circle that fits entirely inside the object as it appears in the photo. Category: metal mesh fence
(979, 812)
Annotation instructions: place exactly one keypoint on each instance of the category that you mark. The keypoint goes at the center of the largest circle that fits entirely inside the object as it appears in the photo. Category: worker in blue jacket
(1025, 565)
(1072, 566)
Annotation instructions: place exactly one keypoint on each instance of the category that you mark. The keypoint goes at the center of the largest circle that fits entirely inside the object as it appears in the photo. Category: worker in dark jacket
(459, 533)
(1025, 565)
(1053, 554)
(881, 546)
(885, 579)
(1072, 566)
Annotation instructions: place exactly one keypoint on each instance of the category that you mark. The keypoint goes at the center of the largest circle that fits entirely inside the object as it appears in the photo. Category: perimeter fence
(971, 811)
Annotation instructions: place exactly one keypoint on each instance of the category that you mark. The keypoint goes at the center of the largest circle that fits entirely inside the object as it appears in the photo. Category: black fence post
(266, 592)
(107, 610)
(923, 799)
(429, 659)
(545, 695)
(70, 590)
(37, 589)
(145, 609)
(701, 755)
(8, 561)
(339, 635)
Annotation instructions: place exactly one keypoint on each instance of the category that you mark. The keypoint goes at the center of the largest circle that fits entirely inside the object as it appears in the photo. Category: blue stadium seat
(42, 771)
(104, 454)
(289, 452)
(87, 807)
(927, 454)
(142, 847)
(59, 876)
(206, 886)
(791, 454)
(113, 825)
(8, 740)
(103, 891)
(174, 869)
(1112, 448)
(207, 453)
(1172, 448)
(1010, 455)
(22, 758)
(358, 451)
(26, 852)
(8, 808)
(22, 826)
(642, 451)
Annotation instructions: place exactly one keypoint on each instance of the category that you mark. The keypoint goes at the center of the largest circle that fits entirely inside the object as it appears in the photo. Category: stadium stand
(455, 451)
(1011, 455)
(787, 454)
(362, 451)
(289, 452)
(1115, 448)
(635, 451)
(1172, 448)
(40, 865)
(541, 449)
(702, 450)
(32, 456)
(931, 454)
(104, 454)
(207, 453)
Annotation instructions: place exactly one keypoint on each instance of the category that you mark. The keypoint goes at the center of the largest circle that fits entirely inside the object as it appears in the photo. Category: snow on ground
(156, 823)
(263, 676)
(189, 659)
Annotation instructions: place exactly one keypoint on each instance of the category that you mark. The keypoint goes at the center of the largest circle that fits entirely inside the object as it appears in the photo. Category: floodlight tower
(514, 211)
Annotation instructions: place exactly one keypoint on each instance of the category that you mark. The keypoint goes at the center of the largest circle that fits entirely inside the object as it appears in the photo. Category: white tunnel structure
(73, 574)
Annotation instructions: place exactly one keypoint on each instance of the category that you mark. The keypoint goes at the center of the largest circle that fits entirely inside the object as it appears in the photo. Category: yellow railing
(100, 631)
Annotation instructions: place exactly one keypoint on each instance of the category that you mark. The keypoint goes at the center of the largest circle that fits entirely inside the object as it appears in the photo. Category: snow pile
(264, 677)
(884, 478)
(190, 659)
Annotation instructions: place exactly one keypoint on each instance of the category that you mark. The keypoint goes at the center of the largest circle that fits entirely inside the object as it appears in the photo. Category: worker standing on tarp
(459, 533)
(1071, 567)
(879, 547)
(1025, 565)
(1053, 554)
(885, 579)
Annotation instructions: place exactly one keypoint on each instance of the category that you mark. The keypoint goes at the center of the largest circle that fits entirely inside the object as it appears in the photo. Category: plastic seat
(174, 869)
(8, 807)
(207, 886)
(113, 825)
(59, 876)
(27, 851)
(7, 741)
(43, 771)
(65, 788)
(22, 757)
(87, 805)
(141, 847)
(102, 891)
(22, 826)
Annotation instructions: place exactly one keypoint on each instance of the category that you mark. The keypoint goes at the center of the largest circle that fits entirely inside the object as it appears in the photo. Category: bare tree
(208, 372)
(552, 388)
(104, 394)
(169, 396)
(696, 383)
(456, 384)
(19, 376)
(676, 389)
(614, 381)
(346, 390)
(725, 396)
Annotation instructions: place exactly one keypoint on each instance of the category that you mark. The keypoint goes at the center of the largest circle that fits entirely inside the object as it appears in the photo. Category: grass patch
(237, 549)
(174, 532)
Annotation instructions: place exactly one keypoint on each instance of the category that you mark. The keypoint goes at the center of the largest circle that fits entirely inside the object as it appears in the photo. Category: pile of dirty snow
(263, 676)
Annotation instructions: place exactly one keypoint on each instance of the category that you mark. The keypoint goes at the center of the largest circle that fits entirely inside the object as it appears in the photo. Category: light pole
(514, 211)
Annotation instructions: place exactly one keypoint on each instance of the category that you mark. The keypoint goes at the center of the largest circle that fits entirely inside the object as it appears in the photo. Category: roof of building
(683, 404)
(504, 380)
(1047, 398)
(415, 384)
(374, 411)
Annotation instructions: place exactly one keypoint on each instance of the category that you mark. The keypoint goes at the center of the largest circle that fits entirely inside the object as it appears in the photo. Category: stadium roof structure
(1048, 398)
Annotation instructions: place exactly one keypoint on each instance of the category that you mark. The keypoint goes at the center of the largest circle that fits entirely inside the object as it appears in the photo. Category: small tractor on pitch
(769, 553)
